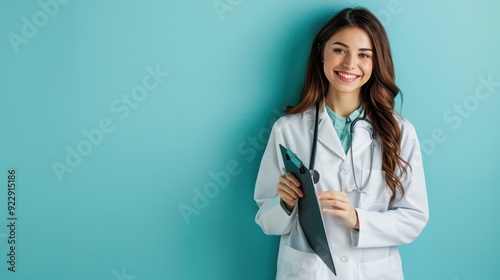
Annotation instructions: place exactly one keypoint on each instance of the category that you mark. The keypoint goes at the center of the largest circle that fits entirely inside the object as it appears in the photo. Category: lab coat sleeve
(271, 217)
(407, 217)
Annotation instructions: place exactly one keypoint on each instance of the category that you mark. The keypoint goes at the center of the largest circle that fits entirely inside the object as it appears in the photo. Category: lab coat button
(344, 259)
(343, 171)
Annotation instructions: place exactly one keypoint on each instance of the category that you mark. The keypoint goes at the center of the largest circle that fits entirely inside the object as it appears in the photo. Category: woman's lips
(346, 77)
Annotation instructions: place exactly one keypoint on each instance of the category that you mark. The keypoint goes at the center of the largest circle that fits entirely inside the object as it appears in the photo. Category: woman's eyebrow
(346, 46)
(342, 44)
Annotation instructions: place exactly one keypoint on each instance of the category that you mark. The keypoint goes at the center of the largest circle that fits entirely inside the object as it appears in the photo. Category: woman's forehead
(353, 37)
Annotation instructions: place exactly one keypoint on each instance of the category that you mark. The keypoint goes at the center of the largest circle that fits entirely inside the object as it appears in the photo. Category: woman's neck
(343, 104)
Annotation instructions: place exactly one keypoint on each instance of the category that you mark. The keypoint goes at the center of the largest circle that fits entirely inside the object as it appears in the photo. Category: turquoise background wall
(135, 130)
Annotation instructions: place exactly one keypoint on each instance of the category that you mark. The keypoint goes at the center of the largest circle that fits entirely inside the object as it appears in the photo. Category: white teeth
(346, 75)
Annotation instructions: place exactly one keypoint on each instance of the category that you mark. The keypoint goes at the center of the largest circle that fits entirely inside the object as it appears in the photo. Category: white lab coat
(371, 253)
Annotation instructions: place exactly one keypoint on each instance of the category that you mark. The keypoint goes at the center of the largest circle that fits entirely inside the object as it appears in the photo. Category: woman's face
(348, 60)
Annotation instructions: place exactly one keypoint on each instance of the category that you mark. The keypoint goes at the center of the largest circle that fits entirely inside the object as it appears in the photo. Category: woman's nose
(349, 62)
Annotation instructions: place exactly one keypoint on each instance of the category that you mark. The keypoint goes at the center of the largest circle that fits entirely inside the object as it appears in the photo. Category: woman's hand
(289, 190)
(341, 207)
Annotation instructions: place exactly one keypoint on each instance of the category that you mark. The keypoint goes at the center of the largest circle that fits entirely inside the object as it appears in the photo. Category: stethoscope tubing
(315, 173)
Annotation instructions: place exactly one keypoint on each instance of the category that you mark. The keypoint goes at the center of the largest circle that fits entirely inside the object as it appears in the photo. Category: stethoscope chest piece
(315, 176)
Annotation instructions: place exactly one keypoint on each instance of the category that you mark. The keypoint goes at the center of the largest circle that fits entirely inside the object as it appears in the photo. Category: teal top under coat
(342, 126)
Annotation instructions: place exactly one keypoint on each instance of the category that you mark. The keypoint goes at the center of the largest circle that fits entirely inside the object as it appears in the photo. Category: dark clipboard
(310, 215)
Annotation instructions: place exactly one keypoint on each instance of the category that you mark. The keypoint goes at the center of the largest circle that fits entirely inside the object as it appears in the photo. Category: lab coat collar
(361, 139)
(326, 132)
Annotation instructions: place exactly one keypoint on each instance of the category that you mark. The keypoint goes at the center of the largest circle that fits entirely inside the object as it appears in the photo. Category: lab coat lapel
(361, 137)
(327, 134)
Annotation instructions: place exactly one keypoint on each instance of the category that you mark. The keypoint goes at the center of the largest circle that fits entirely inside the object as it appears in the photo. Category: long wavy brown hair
(377, 94)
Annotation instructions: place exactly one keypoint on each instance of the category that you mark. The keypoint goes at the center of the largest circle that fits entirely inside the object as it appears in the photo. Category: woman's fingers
(289, 190)
(289, 183)
(335, 199)
(291, 178)
(342, 196)
(340, 207)
(336, 204)
(286, 192)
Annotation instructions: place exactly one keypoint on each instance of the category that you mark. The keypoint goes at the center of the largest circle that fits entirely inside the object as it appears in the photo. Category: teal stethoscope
(315, 173)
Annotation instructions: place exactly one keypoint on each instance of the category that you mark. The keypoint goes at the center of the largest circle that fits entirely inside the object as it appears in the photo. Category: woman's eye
(339, 50)
(364, 55)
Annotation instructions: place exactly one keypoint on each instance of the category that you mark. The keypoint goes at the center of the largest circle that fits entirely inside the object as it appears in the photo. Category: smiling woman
(372, 187)
(348, 65)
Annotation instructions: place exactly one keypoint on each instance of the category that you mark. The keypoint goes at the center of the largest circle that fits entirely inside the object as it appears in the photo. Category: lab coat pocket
(377, 194)
(383, 269)
(298, 265)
